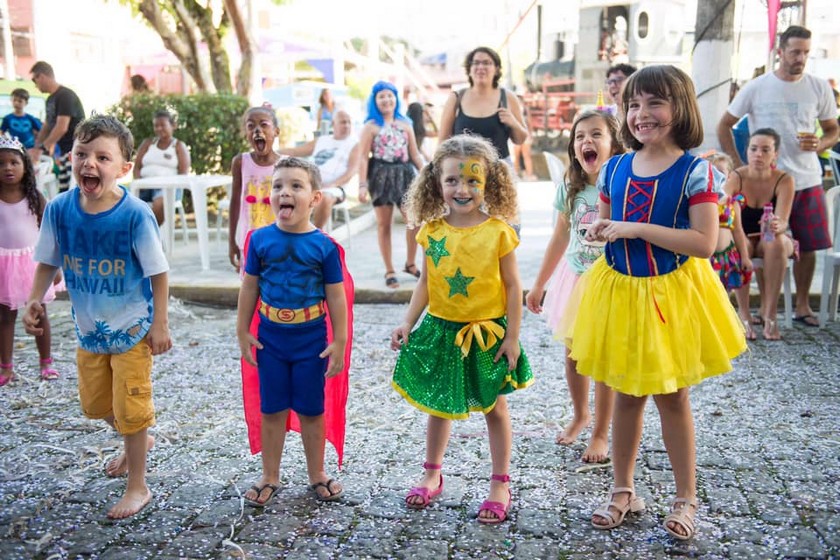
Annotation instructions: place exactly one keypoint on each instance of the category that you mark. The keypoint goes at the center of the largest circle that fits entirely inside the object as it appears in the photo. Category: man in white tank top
(337, 158)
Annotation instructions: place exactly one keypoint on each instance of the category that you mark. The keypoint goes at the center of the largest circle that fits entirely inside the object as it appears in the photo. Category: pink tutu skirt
(17, 271)
(557, 295)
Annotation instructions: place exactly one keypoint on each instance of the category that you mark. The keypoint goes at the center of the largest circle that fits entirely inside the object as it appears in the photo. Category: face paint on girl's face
(472, 173)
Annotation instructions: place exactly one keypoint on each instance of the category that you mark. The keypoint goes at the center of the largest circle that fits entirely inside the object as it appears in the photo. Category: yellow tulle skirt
(652, 335)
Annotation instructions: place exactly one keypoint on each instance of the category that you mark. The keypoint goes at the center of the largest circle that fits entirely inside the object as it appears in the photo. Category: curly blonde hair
(424, 200)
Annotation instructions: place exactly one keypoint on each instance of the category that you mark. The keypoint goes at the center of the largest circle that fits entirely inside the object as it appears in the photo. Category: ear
(316, 197)
(126, 167)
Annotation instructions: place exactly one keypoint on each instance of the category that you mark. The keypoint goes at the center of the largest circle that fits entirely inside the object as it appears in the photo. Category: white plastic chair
(344, 210)
(179, 213)
(834, 161)
(556, 172)
(831, 264)
(45, 177)
(224, 208)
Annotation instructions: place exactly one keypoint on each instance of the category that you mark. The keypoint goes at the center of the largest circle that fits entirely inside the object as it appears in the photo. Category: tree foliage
(210, 124)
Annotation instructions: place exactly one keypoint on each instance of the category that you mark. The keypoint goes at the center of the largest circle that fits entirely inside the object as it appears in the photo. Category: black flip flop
(809, 320)
(333, 496)
(259, 491)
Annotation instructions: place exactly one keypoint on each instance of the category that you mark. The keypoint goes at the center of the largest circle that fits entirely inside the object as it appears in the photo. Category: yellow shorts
(118, 385)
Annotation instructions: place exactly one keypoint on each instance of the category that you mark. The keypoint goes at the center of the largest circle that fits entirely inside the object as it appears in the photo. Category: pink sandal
(4, 379)
(48, 373)
(498, 509)
(423, 493)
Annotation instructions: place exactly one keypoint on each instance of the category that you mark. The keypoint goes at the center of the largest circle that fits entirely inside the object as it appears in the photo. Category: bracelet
(363, 185)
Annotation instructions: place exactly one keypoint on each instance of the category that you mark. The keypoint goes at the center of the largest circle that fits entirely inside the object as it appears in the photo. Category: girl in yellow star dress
(465, 355)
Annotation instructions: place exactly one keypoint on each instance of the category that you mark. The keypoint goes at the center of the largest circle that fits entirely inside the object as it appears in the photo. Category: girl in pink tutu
(21, 208)
(594, 141)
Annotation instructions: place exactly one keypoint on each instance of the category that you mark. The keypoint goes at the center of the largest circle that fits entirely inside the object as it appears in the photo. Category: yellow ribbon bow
(465, 336)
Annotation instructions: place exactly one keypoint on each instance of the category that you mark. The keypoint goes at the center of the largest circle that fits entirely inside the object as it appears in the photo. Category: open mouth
(462, 201)
(646, 126)
(284, 211)
(590, 156)
(259, 143)
(90, 183)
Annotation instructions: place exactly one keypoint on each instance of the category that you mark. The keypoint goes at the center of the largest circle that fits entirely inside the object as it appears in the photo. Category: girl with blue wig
(388, 149)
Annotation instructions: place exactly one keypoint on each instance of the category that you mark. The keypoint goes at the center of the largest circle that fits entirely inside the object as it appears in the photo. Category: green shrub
(210, 124)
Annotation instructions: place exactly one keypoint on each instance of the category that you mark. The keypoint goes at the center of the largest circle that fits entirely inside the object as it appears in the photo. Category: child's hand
(509, 349)
(233, 256)
(746, 263)
(32, 317)
(400, 336)
(594, 231)
(158, 338)
(335, 352)
(534, 299)
(246, 341)
(610, 230)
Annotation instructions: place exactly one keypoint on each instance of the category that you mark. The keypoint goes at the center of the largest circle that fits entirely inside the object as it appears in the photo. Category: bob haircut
(373, 113)
(497, 61)
(671, 83)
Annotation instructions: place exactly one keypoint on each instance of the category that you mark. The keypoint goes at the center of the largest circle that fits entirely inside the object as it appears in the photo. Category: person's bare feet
(118, 466)
(571, 432)
(131, 503)
(597, 451)
(771, 330)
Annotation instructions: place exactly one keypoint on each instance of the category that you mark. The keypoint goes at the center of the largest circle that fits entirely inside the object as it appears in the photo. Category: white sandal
(679, 515)
(616, 518)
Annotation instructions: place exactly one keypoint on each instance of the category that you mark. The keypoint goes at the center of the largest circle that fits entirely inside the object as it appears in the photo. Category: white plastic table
(198, 185)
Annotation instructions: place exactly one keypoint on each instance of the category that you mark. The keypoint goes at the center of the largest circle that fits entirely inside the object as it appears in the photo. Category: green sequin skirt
(434, 376)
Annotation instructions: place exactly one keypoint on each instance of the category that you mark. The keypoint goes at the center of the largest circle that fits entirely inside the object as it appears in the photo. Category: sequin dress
(446, 368)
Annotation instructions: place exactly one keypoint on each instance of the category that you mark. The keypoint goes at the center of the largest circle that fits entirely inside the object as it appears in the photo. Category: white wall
(89, 56)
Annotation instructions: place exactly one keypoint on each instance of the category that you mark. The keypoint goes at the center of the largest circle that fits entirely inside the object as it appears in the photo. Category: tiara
(9, 142)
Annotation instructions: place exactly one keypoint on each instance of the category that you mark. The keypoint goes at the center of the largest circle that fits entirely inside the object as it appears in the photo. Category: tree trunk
(246, 48)
(712, 63)
(212, 35)
(181, 42)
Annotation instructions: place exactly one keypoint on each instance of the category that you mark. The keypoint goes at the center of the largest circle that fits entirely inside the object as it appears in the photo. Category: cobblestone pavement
(768, 468)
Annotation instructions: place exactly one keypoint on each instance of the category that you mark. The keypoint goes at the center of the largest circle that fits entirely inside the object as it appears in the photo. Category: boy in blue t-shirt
(19, 123)
(107, 244)
(292, 267)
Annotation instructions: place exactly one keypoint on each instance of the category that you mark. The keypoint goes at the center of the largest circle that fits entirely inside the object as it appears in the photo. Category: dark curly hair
(29, 185)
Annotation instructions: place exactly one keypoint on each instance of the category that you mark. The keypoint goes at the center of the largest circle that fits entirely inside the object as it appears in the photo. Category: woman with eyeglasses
(484, 109)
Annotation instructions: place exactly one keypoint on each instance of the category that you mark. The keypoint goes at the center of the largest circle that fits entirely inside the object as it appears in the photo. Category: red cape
(335, 391)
